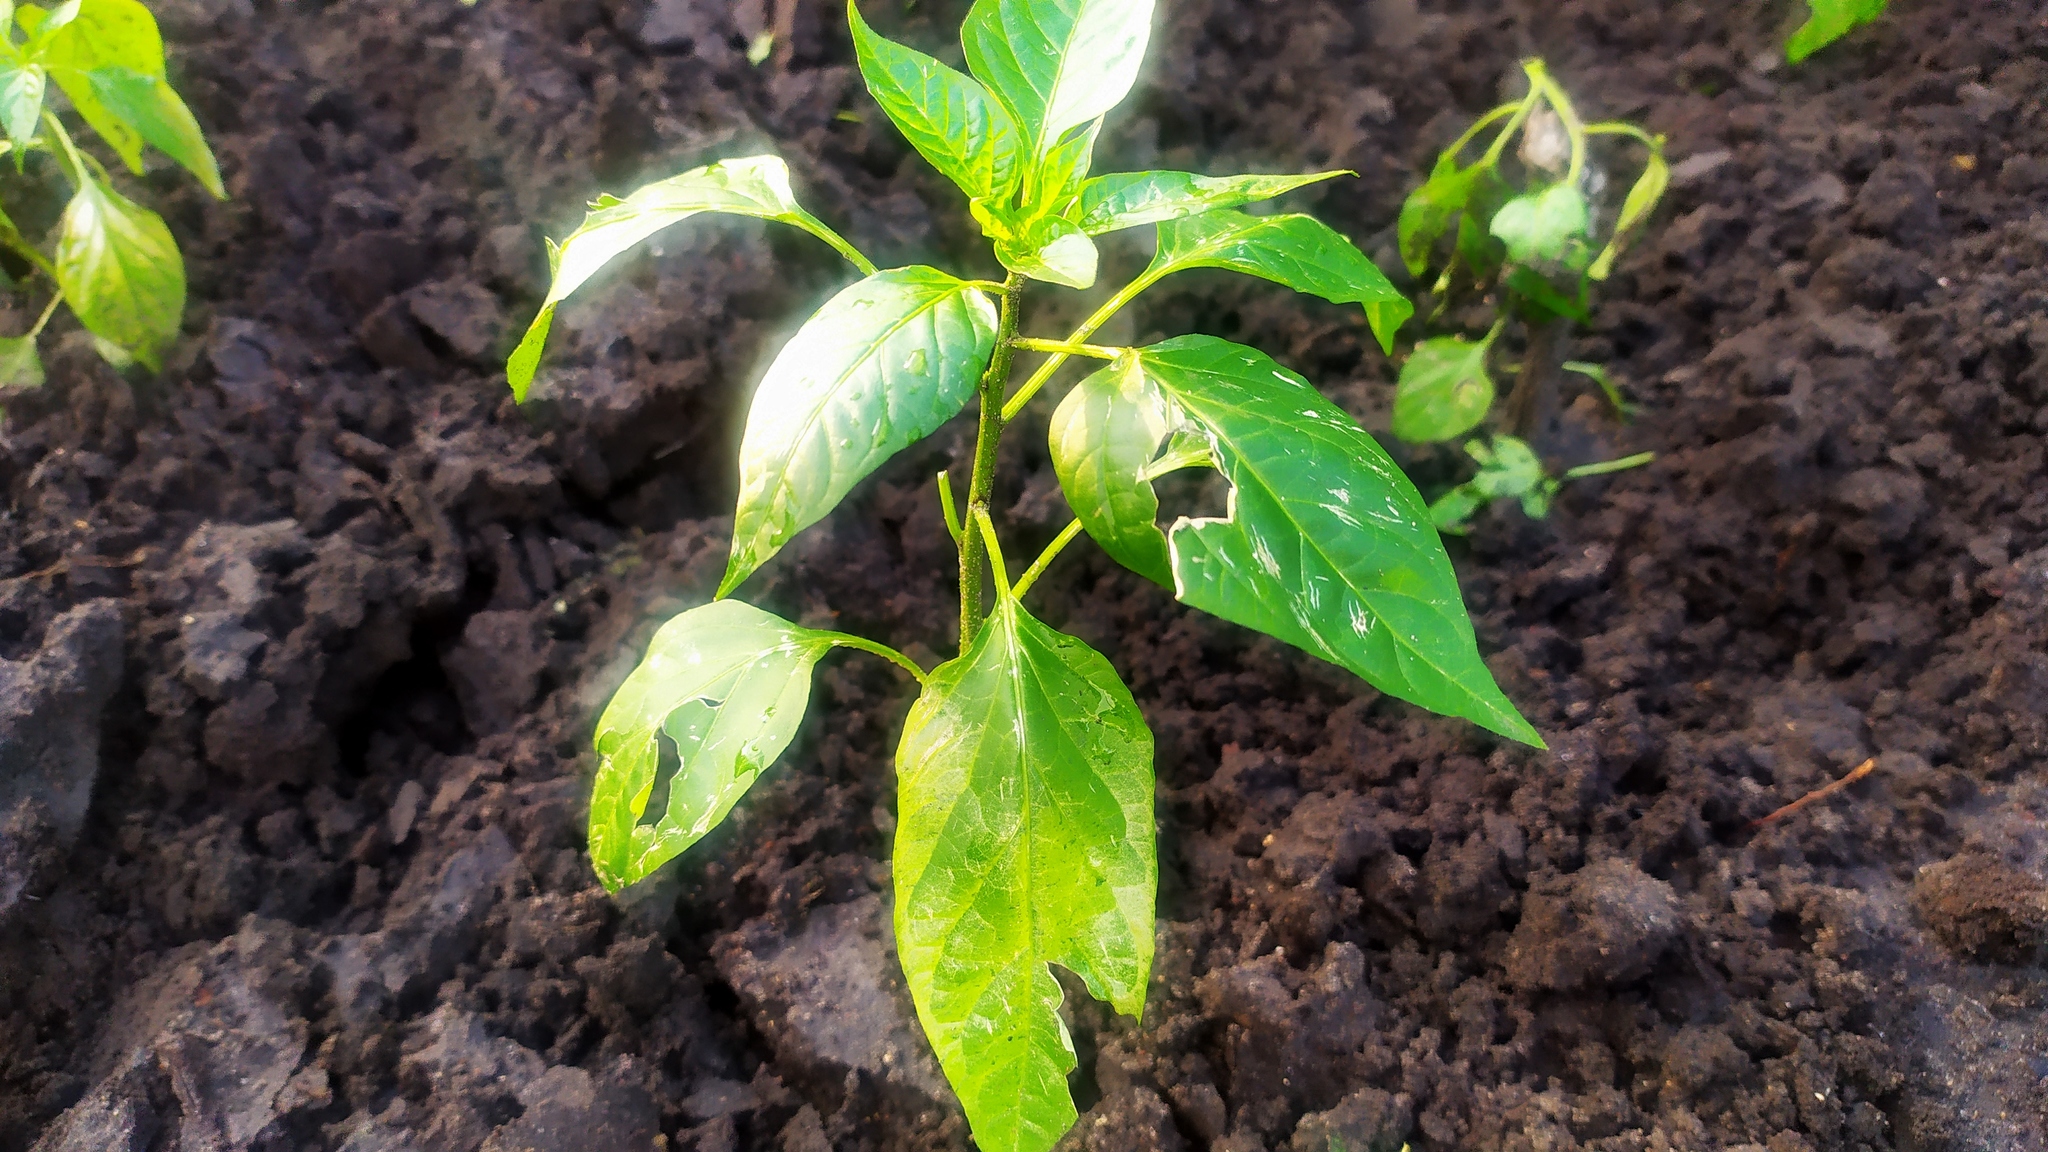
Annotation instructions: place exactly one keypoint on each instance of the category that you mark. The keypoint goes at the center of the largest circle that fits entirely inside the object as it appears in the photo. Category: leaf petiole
(877, 648)
(996, 564)
(1606, 466)
(1046, 558)
(1102, 316)
(1066, 348)
(48, 311)
(947, 508)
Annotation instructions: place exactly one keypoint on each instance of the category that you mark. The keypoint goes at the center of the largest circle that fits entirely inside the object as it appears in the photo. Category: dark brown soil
(333, 619)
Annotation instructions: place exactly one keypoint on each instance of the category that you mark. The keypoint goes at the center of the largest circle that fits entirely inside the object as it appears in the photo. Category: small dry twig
(1855, 774)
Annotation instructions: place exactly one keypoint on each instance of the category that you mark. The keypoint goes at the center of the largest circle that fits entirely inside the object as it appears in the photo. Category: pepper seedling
(1510, 470)
(114, 262)
(1522, 235)
(1025, 829)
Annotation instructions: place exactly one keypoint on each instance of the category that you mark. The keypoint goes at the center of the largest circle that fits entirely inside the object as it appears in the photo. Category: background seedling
(1521, 233)
(1510, 469)
(1024, 830)
(112, 261)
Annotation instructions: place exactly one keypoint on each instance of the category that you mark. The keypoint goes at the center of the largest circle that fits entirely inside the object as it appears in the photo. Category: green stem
(982, 482)
(77, 166)
(27, 251)
(1478, 126)
(1102, 316)
(1066, 348)
(1046, 558)
(48, 312)
(1607, 466)
(947, 509)
(1622, 128)
(1521, 113)
(879, 649)
(1561, 103)
(997, 566)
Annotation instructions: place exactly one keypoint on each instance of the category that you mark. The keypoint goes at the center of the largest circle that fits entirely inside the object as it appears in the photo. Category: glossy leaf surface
(1327, 545)
(726, 684)
(1051, 249)
(121, 272)
(88, 55)
(1828, 21)
(1542, 226)
(952, 121)
(1104, 437)
(1056, 64)
(878, 368)
(756, 186)
(1024, 838)
(1052, 183)
(1299, 251)
(1128, 199)
(1444, 390)
(21, 99)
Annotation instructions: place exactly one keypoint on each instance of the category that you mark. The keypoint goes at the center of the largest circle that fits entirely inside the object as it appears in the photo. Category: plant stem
(1046, 558)
(1052, 364)
(48, 312)
(1529, 405)
(1066, 348)
(973, 546)
(844, 640)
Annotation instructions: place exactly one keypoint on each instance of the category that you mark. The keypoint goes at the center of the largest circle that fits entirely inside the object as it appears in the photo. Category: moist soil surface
(305, 638)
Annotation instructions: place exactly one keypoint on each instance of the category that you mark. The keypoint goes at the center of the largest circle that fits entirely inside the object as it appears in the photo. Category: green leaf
(1444, 390)
(877, 369)
(1128, 199)
(1054, 180)
(1024, 838)
(1430, 210)
(1829, 21)
(1509, 469)
(950, 119)
(120, 272)
(147, 104)
(1056, 64)
(21, 100)
(1051, 249)
(1541, 226)
(1327, 545)
(1642, 198)
(110, 37)
(1105, 435)
(1299, 251)
(727, 685)
(20, 367)
(756, 186)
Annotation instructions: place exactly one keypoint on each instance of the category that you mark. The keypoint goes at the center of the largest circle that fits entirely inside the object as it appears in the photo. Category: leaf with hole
(756, 186)
(1327, 545)
(952, 121)
(1444, 390)
(726, 686)
(877, 369)
(120, 272)
(1024, 838)
(1298, 251)
(1121, 200)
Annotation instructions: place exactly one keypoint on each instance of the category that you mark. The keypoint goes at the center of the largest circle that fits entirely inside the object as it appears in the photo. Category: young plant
(1025, 833)
(1523, 235)
(1510, 470)
(113, 261)
(1828, 21)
